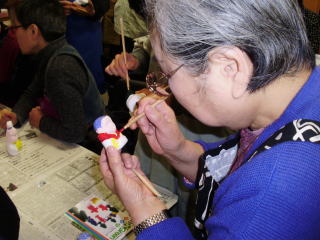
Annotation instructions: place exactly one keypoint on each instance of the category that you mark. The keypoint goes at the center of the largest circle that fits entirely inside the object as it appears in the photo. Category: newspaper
(50, 177)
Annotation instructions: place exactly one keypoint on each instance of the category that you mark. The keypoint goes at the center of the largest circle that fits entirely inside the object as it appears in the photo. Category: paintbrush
(124, 52)
(136, 118)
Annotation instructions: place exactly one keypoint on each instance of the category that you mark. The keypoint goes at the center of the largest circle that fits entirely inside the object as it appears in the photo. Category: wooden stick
(135, 119)
(146, 183)
(124, 52)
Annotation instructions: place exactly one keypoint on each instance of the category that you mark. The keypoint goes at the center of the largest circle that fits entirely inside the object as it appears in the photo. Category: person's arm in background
(142, 51)
(25, 104)
(118, 67)
(28, 100)
(137, 61)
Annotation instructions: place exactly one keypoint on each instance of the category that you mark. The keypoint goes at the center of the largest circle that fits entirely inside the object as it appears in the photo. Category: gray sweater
(65, 82)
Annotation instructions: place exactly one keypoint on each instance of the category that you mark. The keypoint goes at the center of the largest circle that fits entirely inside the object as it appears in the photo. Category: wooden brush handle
(136, 118)
(146, 183)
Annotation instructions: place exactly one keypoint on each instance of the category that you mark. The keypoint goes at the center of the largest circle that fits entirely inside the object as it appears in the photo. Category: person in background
(84, 33)
(246, 65)
(17, 70)
(62, 100)
(141, 60)
(9, 51)
(136, 40)
(312, 21)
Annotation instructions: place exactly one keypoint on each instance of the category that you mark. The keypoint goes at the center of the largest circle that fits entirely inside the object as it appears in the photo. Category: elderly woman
(246, 65)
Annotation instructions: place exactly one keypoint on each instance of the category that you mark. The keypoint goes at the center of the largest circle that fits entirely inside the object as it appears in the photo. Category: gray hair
(270, 32)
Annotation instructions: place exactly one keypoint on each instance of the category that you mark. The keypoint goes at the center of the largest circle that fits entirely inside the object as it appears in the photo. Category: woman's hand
(165, 138)
(119, 177)
(118, 67)
(159, 126)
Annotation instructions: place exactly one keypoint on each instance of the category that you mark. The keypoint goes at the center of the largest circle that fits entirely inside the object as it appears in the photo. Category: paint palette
(101, 218)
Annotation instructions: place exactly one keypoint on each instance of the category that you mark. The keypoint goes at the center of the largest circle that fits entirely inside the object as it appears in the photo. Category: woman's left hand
(35, 116)
(119, 177)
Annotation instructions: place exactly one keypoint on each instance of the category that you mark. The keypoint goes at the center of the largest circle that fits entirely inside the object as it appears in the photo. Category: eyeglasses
(157, 82)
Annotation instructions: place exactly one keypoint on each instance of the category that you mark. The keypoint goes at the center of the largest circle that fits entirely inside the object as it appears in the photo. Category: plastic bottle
(13, 143)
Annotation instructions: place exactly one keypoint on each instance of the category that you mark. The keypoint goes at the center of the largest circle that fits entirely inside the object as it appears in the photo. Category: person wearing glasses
(17, 70)
(142, 59)
(246, 65)
(62, 99)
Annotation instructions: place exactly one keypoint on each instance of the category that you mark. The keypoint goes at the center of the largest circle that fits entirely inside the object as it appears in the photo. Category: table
(51, 177)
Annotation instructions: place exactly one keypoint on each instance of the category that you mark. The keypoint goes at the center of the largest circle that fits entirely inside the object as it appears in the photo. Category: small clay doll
(13, 143)
(132, 101)
(108, 134)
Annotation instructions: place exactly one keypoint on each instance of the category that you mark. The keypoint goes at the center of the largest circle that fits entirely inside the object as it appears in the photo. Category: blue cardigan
(275, 195)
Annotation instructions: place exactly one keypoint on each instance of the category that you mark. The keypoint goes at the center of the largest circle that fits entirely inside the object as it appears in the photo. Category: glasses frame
(160, 85)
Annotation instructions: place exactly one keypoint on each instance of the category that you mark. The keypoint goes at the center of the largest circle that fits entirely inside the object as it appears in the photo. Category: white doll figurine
(132, 101)
(13, 143)
(108, 134)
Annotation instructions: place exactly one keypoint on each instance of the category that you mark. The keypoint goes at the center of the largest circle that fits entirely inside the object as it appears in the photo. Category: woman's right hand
(160, 127)
(118, 67)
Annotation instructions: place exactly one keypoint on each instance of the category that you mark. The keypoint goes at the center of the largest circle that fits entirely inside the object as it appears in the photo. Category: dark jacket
(66, 92)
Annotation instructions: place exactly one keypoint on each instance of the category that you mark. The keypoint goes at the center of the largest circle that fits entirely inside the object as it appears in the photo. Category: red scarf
(105, 136)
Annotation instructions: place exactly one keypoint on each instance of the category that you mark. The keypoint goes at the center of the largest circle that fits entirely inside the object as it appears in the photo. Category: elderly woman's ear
(234, 66)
